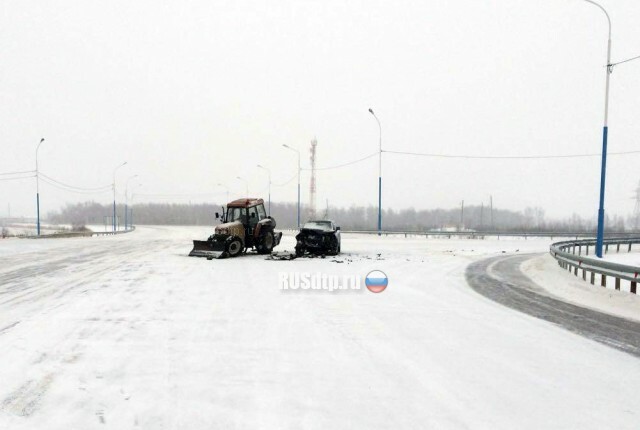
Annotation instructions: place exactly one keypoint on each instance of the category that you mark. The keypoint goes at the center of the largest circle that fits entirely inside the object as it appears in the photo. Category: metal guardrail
(481, 234)
(112, 233)
(68, 234)
(569, 255)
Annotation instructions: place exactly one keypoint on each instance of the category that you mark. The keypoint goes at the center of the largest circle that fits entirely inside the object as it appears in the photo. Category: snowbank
(545, 272)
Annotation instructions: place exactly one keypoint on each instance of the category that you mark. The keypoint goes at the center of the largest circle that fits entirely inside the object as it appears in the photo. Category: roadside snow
(623, 257)
(545, 272)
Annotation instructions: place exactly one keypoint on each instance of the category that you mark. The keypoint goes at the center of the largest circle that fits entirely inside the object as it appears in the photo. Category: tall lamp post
(246, 185)
(38, 190)
(114, 194)
(126, 200)
(605, 132)
(132, 197)
(269, 172)
(379, 174)
(298, 152)
(227, 188)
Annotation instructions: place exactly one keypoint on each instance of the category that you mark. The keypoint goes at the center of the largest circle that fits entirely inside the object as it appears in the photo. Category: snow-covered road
(127, 332)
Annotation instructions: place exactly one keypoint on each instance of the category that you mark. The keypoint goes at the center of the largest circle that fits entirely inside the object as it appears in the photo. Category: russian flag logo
(376, 281)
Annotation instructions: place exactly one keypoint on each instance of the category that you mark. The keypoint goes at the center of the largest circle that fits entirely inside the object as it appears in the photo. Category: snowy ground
(623, 257)
(127, 332)
(544, 271)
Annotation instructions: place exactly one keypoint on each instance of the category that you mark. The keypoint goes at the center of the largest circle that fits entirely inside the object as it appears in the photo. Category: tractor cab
(249, 212)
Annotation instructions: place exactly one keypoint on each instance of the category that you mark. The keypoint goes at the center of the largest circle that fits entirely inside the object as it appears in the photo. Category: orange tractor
(245, 225)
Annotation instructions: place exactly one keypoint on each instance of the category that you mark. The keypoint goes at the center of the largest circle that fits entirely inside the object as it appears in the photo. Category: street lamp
(227, 188)
(605, 132)
(38, 190)
(269, 172)
(126, 200)
(132, 196)
(379, 174)
(114, 195)
(246, 184)
(298, 152)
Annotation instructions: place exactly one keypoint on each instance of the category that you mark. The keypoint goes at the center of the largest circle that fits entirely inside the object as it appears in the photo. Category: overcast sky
(192, 93)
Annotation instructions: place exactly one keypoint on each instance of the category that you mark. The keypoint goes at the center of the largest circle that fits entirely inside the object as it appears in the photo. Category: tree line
(479, 218)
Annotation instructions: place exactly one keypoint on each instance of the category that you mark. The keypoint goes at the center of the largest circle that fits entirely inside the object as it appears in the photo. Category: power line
(17, 173)
(185, 196)
(286, 182)
(72, 189)
(624, 61)
(18, 177)
(506, 157)
(345, 164)
(96, 189)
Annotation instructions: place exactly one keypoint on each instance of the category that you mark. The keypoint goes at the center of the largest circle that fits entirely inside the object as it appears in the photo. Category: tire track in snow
(500, 279)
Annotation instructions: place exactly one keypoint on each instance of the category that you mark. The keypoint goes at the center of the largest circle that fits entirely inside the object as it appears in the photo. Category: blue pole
(605, 132)
(298, 204)
(379, 205)
(38, 190)
(38, 211)
(379, 173)
(603, 172)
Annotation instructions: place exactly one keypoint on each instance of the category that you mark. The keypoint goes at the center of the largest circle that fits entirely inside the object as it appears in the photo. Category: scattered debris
(281, 256)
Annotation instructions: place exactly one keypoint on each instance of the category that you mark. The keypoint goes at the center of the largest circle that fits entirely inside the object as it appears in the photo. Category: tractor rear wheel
(266, 243)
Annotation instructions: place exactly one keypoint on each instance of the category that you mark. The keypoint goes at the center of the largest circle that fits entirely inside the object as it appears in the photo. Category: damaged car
(318, 238)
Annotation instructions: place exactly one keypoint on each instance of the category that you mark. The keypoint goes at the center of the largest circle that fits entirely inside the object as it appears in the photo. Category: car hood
(313, 231)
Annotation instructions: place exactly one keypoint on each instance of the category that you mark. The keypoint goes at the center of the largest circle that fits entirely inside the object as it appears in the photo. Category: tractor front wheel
(234, 247)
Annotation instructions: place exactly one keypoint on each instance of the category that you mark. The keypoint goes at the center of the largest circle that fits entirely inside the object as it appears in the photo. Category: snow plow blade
(208, 249)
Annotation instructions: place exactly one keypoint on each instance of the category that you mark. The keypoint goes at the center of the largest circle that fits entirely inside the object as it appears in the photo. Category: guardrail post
(565, 255)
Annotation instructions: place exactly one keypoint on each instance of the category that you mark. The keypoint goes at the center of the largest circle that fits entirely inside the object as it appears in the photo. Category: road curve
(501, 280)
